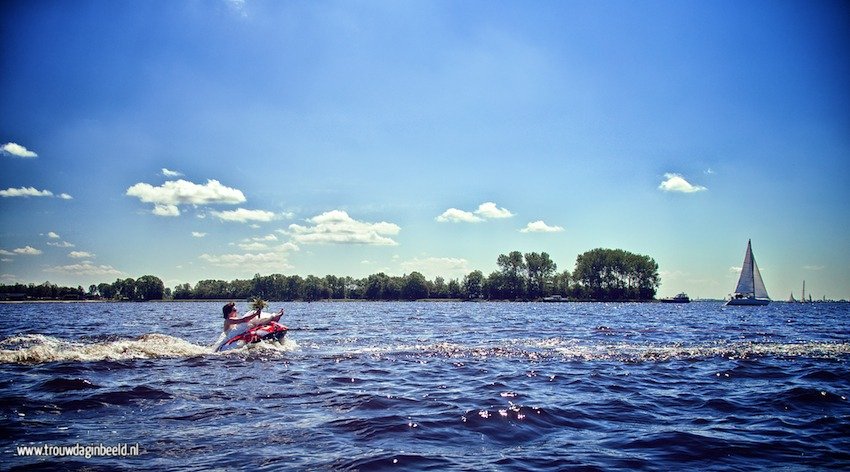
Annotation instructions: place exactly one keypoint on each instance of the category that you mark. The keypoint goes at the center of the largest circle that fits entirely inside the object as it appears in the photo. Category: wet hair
(226, 309)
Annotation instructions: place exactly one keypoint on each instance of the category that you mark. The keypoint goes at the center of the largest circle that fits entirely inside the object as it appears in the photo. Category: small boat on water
(680, 298)
(750, 290)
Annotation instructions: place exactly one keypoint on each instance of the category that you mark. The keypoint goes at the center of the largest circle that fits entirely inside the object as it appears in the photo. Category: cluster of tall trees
(599, 274)
(614, 274)
(146, 287)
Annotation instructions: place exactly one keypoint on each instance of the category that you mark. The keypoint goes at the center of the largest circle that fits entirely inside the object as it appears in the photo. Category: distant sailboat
(750, 290)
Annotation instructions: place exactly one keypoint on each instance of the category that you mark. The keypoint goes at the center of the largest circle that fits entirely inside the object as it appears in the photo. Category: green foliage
(149, 287)
(513, 280)
(473, 284)
(599, 274)
(414, 287)
(615, 274)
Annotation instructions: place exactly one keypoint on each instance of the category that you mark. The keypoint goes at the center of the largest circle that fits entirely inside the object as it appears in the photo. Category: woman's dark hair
(226, 309)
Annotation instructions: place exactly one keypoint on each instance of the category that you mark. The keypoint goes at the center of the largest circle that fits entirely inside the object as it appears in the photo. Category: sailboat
(750, 290)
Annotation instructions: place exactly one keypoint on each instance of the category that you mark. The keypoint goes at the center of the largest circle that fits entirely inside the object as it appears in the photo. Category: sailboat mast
(803, 298)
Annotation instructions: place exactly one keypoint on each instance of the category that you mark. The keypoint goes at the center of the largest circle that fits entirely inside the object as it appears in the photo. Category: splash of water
(38, 348)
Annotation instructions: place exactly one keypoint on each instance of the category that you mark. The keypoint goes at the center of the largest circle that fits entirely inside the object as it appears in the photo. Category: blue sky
(219, 139)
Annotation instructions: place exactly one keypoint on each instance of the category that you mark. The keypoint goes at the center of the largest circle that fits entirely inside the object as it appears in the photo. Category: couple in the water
(236, 326)
(232, 319)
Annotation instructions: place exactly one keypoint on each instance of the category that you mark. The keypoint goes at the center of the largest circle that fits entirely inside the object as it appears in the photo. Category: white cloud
(288, 247)
(273, 261)
(28, 251)
(242, 215)
(171, 173)
(432, 267)
(268, 237)
(453, 215)
(166, 210)
(709, 171)
(80, 255)
(32, 192)
(17, 150)
(677, 183)
(540, 227)
(336, 227)
(260, 243)
(167, 196)
(25, 192)
(60, 244)
(490, 210)
(253, 246)
(4, 252)
(85, 268)
(814, 267)
(487, 210)
(198, 234)
(53, 235)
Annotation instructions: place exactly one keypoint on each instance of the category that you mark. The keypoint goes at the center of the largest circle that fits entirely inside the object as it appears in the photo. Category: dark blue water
(432, 386)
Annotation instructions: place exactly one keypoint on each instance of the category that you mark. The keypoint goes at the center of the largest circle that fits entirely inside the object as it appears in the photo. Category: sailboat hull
(747, 302)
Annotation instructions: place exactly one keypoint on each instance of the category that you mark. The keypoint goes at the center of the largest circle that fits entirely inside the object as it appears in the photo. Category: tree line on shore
(599, 275)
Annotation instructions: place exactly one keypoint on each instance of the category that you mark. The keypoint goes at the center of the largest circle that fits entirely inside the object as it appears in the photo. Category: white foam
(38, 348)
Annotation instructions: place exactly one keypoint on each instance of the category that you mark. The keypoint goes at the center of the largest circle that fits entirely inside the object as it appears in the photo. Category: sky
(212, 139)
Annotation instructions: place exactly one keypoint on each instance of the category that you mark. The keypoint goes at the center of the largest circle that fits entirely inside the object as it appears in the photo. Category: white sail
(746, 282)
(750, 289)
(758, 283)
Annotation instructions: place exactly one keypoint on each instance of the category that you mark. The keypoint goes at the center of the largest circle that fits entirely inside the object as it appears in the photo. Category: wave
(38, 348)
(575, 350)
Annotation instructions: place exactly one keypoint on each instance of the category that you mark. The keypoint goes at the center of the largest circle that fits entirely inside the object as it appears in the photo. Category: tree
(454, 289)
(440, 288)
(615, 274)
(149, 287)
(375, 286)
(125, 288)
(512, 267)
(539, 268)
(392, 290)
(181, 292)
(561, 284)
(106, 290)
(496, 286)
(473, 284)
(414, 287)
(313, 289)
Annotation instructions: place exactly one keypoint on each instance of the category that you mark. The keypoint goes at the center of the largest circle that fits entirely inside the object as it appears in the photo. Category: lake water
(431, 386)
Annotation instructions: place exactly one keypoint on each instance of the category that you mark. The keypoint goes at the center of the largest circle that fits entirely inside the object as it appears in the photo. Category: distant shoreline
(424, 300)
